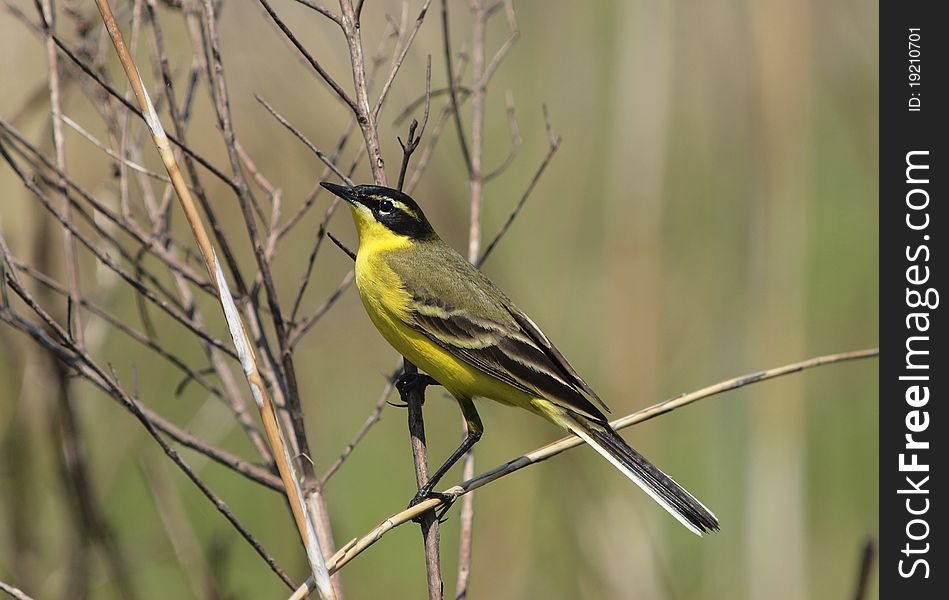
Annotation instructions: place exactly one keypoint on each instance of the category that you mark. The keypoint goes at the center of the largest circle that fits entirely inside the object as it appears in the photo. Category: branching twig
(241, 341)
(67, 351)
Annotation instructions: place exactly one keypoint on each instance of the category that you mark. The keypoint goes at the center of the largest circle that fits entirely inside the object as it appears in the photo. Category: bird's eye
(385, 207)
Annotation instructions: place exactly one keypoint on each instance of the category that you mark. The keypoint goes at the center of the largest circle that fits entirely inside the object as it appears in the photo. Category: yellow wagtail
(439, 311)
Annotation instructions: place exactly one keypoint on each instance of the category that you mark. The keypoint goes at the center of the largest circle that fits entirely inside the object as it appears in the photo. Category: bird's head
(380, 211)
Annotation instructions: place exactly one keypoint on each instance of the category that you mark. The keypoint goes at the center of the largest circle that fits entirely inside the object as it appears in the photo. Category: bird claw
(408, 381)
(440, 511)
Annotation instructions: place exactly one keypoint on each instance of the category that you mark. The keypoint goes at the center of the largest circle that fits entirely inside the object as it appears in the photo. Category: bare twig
(435, 135)
(867, 557)
(399, 58)
(373, 418)
(282, 230)
(112, 92)
(554, 141)
(411, 107)
(341, 246)
(105, 259)
(69, 244)
(305, 281)
(299, 331)
(98, 144)
(309, 57)
(178, 120)
(183, 539)
(452, 87)
(300, 136)
(323, 10)
(413, 139)
(481, 75)
(516, 140)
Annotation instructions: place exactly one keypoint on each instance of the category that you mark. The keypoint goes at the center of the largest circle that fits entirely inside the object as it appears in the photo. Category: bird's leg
(475, 429)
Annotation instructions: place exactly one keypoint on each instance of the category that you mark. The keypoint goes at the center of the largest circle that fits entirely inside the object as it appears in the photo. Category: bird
(445, 316)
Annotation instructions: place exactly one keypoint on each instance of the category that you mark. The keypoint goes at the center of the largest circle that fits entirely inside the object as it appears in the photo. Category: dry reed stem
(14, 591)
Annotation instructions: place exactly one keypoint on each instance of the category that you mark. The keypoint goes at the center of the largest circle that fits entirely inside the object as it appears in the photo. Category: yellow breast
(388, 305)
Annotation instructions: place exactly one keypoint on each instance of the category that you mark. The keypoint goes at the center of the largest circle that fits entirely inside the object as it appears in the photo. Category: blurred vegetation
(712, 211)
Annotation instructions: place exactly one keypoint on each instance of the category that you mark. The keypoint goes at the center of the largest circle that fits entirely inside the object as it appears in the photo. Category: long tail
(670, 495)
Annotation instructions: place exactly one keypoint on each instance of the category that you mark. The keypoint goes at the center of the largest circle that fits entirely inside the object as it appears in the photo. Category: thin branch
(300, 136)
(341, 246)
(413, 396)
(148, 241)
(298, 332)
(178, 119)
(399, 58)
(452, 86)
(181, 534)
(867, 558)
(476, 191)
(357, 546)
(317, 188)
(410, 108)
(409, 147)
(98, 144)
(554, 142)
(502, 52)
(309, 57)
(516, 140)
(371, 420)
(320, 236)
(108, 317)
(435, 135)
(322, 10)
(55, 98)
(252, 471)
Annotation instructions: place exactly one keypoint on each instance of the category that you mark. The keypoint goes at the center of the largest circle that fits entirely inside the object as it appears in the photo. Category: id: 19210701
(914, 70)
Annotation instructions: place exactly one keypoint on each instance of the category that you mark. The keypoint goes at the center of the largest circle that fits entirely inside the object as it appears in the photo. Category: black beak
(346, 193)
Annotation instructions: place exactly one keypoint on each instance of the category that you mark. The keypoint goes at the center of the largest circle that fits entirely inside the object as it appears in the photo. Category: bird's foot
(426, 493)
(407, 382)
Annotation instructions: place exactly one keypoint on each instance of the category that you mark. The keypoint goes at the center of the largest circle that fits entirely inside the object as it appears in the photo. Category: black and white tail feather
(663, 489)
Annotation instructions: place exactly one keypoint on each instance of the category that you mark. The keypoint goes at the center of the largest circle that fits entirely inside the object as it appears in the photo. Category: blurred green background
(711, 212)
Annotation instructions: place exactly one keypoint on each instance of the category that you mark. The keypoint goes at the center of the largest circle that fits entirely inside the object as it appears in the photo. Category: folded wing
(471, 319)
